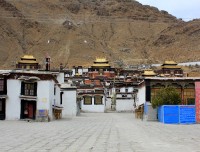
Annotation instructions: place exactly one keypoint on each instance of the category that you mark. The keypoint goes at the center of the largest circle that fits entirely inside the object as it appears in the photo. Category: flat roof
(172, 78)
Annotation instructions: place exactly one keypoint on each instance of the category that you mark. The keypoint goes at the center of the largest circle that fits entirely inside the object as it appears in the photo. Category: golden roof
(169, 63)
(28, 59)
(149, 72)
(100, 65)
(101, 60)
(171, 67)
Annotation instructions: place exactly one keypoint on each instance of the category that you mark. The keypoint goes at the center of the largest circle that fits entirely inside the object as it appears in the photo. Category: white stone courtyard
(98, 132)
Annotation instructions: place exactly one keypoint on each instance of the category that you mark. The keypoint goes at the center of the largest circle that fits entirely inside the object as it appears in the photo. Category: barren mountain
(74, 32)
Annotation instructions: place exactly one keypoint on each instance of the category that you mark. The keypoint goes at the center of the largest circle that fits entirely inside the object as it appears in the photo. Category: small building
(92, 98)
(28, 62)
(148, 88)
(31, 94)
(68, 100)
(125, 98)
(149, 73)
(101, 67)
(171, 69)
(121, 95)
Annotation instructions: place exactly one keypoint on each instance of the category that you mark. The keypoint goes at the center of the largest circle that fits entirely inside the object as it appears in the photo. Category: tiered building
(101, 68)
(28, 62)
(27, 93)
(171, 69)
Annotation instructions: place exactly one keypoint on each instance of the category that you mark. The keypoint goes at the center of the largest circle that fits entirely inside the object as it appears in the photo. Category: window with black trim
(61, 94)
(29, 89)
(98, 100)
(1, 85)
(87, 100)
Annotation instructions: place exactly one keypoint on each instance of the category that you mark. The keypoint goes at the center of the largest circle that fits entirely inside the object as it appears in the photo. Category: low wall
(124, 105)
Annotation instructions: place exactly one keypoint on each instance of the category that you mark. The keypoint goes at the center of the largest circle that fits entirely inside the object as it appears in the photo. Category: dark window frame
(54, 90)
(1, 85)
(61, 97)
(29, 88)
(85, 100)
(95, 100)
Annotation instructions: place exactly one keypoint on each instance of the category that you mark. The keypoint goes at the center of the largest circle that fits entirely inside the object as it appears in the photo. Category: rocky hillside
(74, 32)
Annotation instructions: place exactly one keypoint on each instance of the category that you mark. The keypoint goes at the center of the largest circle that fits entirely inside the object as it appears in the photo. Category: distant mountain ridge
(74, 32)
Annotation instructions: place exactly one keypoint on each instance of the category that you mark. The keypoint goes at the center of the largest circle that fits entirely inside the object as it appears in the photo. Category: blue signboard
(177, 114)
(187, 114)
(171, 115)
(42, 113)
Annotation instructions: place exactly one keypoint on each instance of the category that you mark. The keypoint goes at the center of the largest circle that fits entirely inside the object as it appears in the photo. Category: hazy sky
(185, 9)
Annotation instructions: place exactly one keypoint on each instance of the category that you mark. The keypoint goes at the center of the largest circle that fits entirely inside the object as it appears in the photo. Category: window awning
(27, 78)
(30, 98)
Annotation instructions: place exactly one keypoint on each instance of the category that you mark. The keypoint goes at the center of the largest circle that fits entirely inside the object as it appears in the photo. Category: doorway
(2, 109)
(28, 109)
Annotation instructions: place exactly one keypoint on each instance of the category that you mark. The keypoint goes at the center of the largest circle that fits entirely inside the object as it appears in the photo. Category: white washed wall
(53, 97)
(108, 104)
(13, 102)
(130, 89)
(122, 89)
(80, 71)
(73, 72)
(69, 103)
(141, 96)
(93, 107)
(45, 96)
(60, 78)
(56, 100)
(124, 105)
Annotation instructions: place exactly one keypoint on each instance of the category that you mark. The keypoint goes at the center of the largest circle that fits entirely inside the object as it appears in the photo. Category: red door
(30, 110)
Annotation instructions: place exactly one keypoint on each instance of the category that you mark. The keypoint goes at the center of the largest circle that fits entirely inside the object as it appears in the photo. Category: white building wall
(93, 107)
(69, 103)
(60, 77)
(85, 70)
(45, 96)
(122, 89)
(13, 102)
(73, 72)
(108, 104)
(80, 71)
(124, 105)
(53, 97)
(141, 96)
(56, 100)
(130, 89)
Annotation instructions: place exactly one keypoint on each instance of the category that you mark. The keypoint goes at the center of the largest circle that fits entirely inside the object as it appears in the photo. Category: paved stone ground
(98, 132)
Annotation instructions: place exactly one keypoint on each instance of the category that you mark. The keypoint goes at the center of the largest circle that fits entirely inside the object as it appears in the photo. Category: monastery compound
(99, 108)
